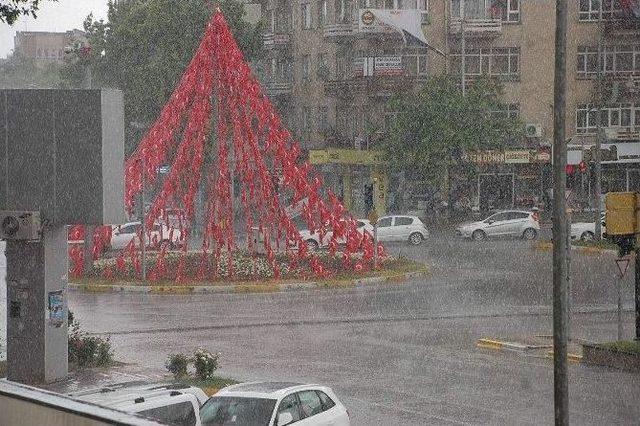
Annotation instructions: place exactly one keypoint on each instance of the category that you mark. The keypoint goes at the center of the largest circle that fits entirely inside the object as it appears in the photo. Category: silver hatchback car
(508, 223)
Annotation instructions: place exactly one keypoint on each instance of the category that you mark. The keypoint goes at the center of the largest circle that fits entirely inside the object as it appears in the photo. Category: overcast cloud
(53, 16)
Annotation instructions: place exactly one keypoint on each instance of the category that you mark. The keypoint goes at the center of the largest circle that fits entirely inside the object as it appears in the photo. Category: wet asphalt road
(400, 353)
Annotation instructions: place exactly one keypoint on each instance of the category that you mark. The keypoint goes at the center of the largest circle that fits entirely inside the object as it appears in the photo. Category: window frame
(305, 16)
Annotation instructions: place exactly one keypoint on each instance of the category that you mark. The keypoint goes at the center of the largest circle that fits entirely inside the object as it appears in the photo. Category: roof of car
(513, 211)
(125, 393)
(264, 389)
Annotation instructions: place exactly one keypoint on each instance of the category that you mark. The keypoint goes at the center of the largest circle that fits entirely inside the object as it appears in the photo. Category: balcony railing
(278, 88)
(374, 86)
(478, 27)
(280, 39)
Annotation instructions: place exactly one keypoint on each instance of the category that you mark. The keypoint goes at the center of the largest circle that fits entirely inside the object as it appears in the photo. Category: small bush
(177, 364)
(205, 363)
(88, 351)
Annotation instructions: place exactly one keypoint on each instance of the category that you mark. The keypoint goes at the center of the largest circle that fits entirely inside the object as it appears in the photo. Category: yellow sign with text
(346, 156)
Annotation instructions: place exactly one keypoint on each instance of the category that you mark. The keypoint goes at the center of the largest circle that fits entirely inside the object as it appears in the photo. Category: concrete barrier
(25, 405)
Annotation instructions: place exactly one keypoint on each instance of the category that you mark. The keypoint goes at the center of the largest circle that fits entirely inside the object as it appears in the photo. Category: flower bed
(242, 268)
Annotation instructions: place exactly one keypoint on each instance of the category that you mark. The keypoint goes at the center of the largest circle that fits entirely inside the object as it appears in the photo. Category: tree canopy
(437, 124)
(145, 46)
(11, 10)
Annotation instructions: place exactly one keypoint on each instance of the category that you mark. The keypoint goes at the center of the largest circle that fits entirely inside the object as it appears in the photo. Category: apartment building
(45, 47)
(332, 80)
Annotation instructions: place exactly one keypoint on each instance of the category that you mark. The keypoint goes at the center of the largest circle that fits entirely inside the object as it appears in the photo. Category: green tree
(145, 46)
(10, 10)
(436, 125)
(18, 72)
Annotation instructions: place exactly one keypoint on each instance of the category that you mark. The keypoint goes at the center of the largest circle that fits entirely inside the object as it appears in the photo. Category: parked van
(173, 404)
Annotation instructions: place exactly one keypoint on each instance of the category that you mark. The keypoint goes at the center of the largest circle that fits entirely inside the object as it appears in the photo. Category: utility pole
(598, 159)
(89, 230)
(560, 254)
(463, 46)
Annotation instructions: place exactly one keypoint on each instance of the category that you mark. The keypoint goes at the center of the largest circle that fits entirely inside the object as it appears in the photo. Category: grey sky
(59, 16)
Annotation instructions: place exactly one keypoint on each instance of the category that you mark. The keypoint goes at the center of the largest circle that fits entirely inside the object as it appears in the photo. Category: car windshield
(237, 411)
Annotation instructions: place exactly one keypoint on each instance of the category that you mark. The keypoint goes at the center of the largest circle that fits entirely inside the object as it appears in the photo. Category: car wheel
(313, 245)
(587, 236)
(478, 235)
(529, 234)
(416, 238)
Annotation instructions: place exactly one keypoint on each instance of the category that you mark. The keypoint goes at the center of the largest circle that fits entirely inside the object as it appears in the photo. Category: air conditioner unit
(533, 130)
(20, 225)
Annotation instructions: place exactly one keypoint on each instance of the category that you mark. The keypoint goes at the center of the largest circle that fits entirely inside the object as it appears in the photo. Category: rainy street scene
(321, 213)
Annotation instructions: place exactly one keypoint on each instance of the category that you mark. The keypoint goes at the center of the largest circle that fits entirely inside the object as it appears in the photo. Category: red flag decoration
(251, 149)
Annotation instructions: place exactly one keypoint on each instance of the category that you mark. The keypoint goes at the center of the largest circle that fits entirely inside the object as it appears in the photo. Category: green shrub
(177, 364)
(88, 351)
(205, 363)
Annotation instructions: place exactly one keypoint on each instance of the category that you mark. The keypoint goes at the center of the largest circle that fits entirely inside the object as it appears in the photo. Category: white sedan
(122, 235)
(586, 231)
(274, 404)
(514, 223)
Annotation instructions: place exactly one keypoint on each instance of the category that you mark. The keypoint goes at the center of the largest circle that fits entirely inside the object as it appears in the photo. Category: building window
(505, 10)
(589, 10)
(323, 118)
(507, 111)
(306, 67)
(624, 116)
(322, 67)
(501, 62)
(509, 10)
(305, 125)
(621, 60)
(322, 13)
(306, 16)
(414, 62)
(342, 11)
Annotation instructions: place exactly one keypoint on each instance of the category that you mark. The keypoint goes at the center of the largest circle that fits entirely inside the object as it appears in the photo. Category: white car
(167, 403)
(313, 240)
(274, 404)
(402, 228)
(122, 235)
(508, 223)
(586, 231)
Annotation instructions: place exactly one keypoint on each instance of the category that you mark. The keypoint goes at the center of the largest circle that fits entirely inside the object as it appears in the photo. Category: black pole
(560, 228)
(637, 294)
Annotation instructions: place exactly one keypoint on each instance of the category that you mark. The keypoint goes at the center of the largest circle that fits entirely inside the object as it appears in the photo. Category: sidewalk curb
(269, 287)
(503, 346)
(548, 246)
(575, 358)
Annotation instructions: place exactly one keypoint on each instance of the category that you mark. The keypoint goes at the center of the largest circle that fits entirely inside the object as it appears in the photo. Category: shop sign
(614, 153)
(346, 156)
(514, 156)
(517, 157)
